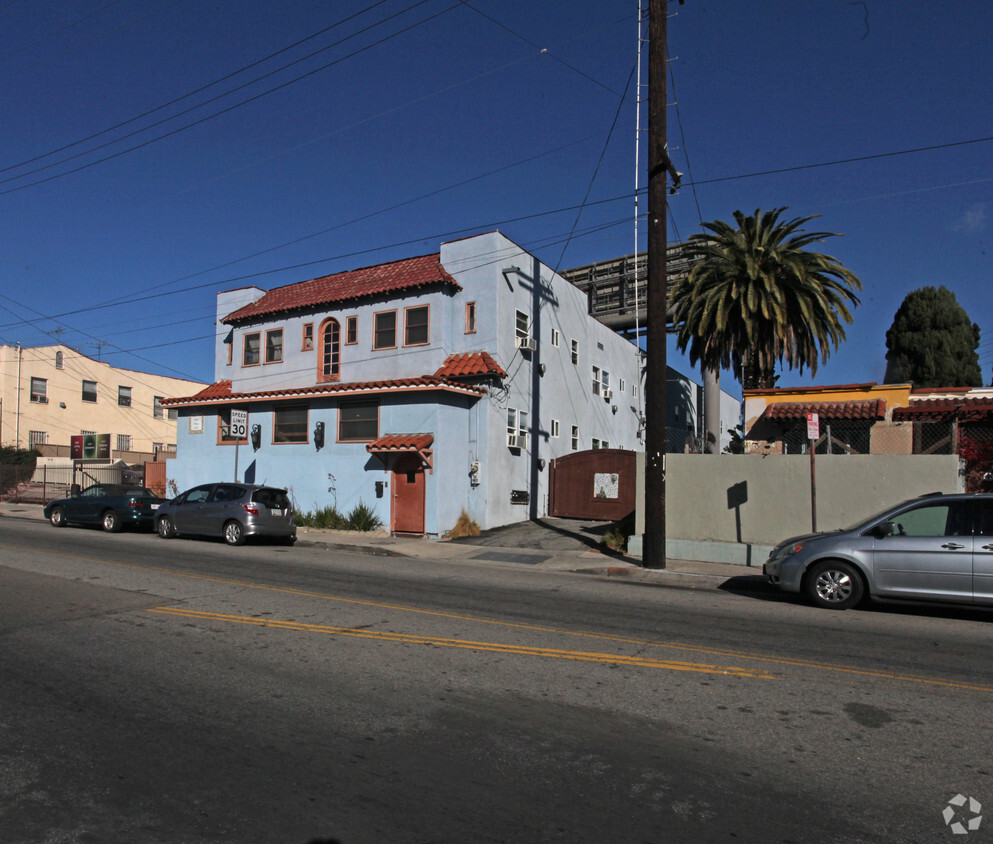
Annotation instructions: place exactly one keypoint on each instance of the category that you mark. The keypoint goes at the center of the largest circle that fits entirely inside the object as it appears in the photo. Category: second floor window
(330, 361)
(274, 346)
(351, 330)
(385, 331)
(124, 397)
(470, 318)
(250, 354)
(308, 337)
(415, 326)
(90, 391)
(39, 390)
(124, 442)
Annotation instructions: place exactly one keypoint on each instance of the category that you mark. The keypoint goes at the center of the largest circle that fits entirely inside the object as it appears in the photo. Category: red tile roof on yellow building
(382, 279)
(872, 409)
(470, 365)
(220, 393)
(963, 409)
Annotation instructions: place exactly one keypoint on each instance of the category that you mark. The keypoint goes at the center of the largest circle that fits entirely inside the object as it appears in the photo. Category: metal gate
(597, 484)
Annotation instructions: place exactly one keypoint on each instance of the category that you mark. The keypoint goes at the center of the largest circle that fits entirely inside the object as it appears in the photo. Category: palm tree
(756, 297)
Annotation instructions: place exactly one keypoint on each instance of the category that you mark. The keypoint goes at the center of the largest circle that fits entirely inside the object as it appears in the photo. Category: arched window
(330, 351)
(59, 361)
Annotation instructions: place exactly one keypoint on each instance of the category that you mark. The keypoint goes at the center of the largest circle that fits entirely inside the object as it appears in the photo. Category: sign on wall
(90, 447)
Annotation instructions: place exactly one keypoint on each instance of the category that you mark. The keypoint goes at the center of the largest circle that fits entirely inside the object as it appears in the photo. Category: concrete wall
(733, 508)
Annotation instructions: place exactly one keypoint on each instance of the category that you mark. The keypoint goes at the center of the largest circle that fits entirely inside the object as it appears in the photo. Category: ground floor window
(289, 425)
(358, 421)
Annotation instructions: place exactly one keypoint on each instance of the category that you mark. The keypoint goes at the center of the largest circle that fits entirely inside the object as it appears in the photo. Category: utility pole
(653, 553)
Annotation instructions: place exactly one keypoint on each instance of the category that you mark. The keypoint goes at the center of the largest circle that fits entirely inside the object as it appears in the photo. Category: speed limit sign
(239, 424)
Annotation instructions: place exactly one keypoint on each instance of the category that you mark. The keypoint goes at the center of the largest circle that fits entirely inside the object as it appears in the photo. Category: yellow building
(49, 394)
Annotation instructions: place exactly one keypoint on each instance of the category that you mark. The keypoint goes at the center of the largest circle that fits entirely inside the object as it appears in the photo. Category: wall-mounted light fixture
(256, 437)
(319, 435)
(541, 464)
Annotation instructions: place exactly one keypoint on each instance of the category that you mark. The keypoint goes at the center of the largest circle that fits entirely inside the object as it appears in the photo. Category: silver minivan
(934, 548)
(233, 511)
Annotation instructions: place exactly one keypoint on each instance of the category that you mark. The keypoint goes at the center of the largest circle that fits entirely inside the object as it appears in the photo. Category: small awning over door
(419, 444)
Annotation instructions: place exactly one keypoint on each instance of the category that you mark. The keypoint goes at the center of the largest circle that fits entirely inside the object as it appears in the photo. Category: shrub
(363, 517)
(327, 518)
(465, 526)
(616, 538)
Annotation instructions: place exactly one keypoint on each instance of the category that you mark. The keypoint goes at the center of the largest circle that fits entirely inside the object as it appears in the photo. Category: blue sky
(413, 123)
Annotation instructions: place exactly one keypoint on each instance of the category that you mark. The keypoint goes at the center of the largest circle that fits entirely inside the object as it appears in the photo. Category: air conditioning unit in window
(526, 344)
(514, 441)
(607, 393)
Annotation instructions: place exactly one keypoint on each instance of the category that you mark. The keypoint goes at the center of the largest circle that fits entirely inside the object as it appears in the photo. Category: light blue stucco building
(421, 387)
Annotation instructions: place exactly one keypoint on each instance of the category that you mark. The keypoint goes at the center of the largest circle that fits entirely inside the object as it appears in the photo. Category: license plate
(155, 506)
(277, 512)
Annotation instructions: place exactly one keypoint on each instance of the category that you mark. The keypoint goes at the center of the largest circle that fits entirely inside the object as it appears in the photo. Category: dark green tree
(756, 297)
(932, 342)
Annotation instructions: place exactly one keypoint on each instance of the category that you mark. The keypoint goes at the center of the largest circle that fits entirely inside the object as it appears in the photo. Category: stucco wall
(763, 500)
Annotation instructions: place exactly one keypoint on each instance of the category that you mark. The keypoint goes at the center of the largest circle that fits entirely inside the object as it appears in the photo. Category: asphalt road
(186, 691)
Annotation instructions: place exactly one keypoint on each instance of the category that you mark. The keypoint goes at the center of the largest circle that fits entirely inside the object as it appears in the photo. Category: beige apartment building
(49, 394)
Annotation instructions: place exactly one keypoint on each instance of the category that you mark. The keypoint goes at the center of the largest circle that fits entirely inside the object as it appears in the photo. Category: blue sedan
(112, 506)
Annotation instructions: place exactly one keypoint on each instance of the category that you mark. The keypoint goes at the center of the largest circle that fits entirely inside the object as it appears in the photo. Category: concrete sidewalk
(549, 544)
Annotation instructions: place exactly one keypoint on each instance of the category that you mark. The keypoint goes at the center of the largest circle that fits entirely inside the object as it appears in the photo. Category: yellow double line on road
(768, 659)
(491, 647)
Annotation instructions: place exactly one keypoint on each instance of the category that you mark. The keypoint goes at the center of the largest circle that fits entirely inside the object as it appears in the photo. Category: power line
(196, 91)
(841, 161)
(208, 117)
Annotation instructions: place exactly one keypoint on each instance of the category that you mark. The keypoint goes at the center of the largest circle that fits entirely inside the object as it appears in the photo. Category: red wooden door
(408, 495)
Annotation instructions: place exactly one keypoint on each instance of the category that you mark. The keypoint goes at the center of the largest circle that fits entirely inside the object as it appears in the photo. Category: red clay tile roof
(931, 410)
(402, 442)
(470, 365)
(220, 393)
(797, 410)
(407, 274)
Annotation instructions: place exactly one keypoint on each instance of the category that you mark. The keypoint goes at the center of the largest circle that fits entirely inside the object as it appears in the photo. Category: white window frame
(555, 428)
(555, 337)
(575, 438)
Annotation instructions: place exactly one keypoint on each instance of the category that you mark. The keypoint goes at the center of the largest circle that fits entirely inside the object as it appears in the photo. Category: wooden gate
(597, 484)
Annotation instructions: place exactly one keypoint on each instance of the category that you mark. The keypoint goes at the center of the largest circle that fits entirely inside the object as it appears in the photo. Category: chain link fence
(972, 441)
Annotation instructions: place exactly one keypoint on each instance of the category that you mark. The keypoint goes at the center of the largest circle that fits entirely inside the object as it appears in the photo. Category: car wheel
(57, 517)
(111, 522)
(234, 533)
(165, 527)
(834, 585)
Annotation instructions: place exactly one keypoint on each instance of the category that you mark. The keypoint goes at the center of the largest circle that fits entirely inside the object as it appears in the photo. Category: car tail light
(249, 509)
(136, 504)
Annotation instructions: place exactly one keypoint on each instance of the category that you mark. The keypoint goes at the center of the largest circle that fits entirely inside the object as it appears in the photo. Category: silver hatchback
(933, 548)
(230, 510)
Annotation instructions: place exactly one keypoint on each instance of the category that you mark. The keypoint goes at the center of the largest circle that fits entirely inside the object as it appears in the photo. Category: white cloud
(972, 220)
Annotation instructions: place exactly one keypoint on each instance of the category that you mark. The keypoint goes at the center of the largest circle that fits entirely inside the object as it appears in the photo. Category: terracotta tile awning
(401, 442)
(470, 365)
(794, 411)
(419, 444)
(939, 410)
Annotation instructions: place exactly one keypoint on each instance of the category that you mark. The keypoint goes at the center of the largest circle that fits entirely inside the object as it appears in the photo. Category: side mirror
(882, 530)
